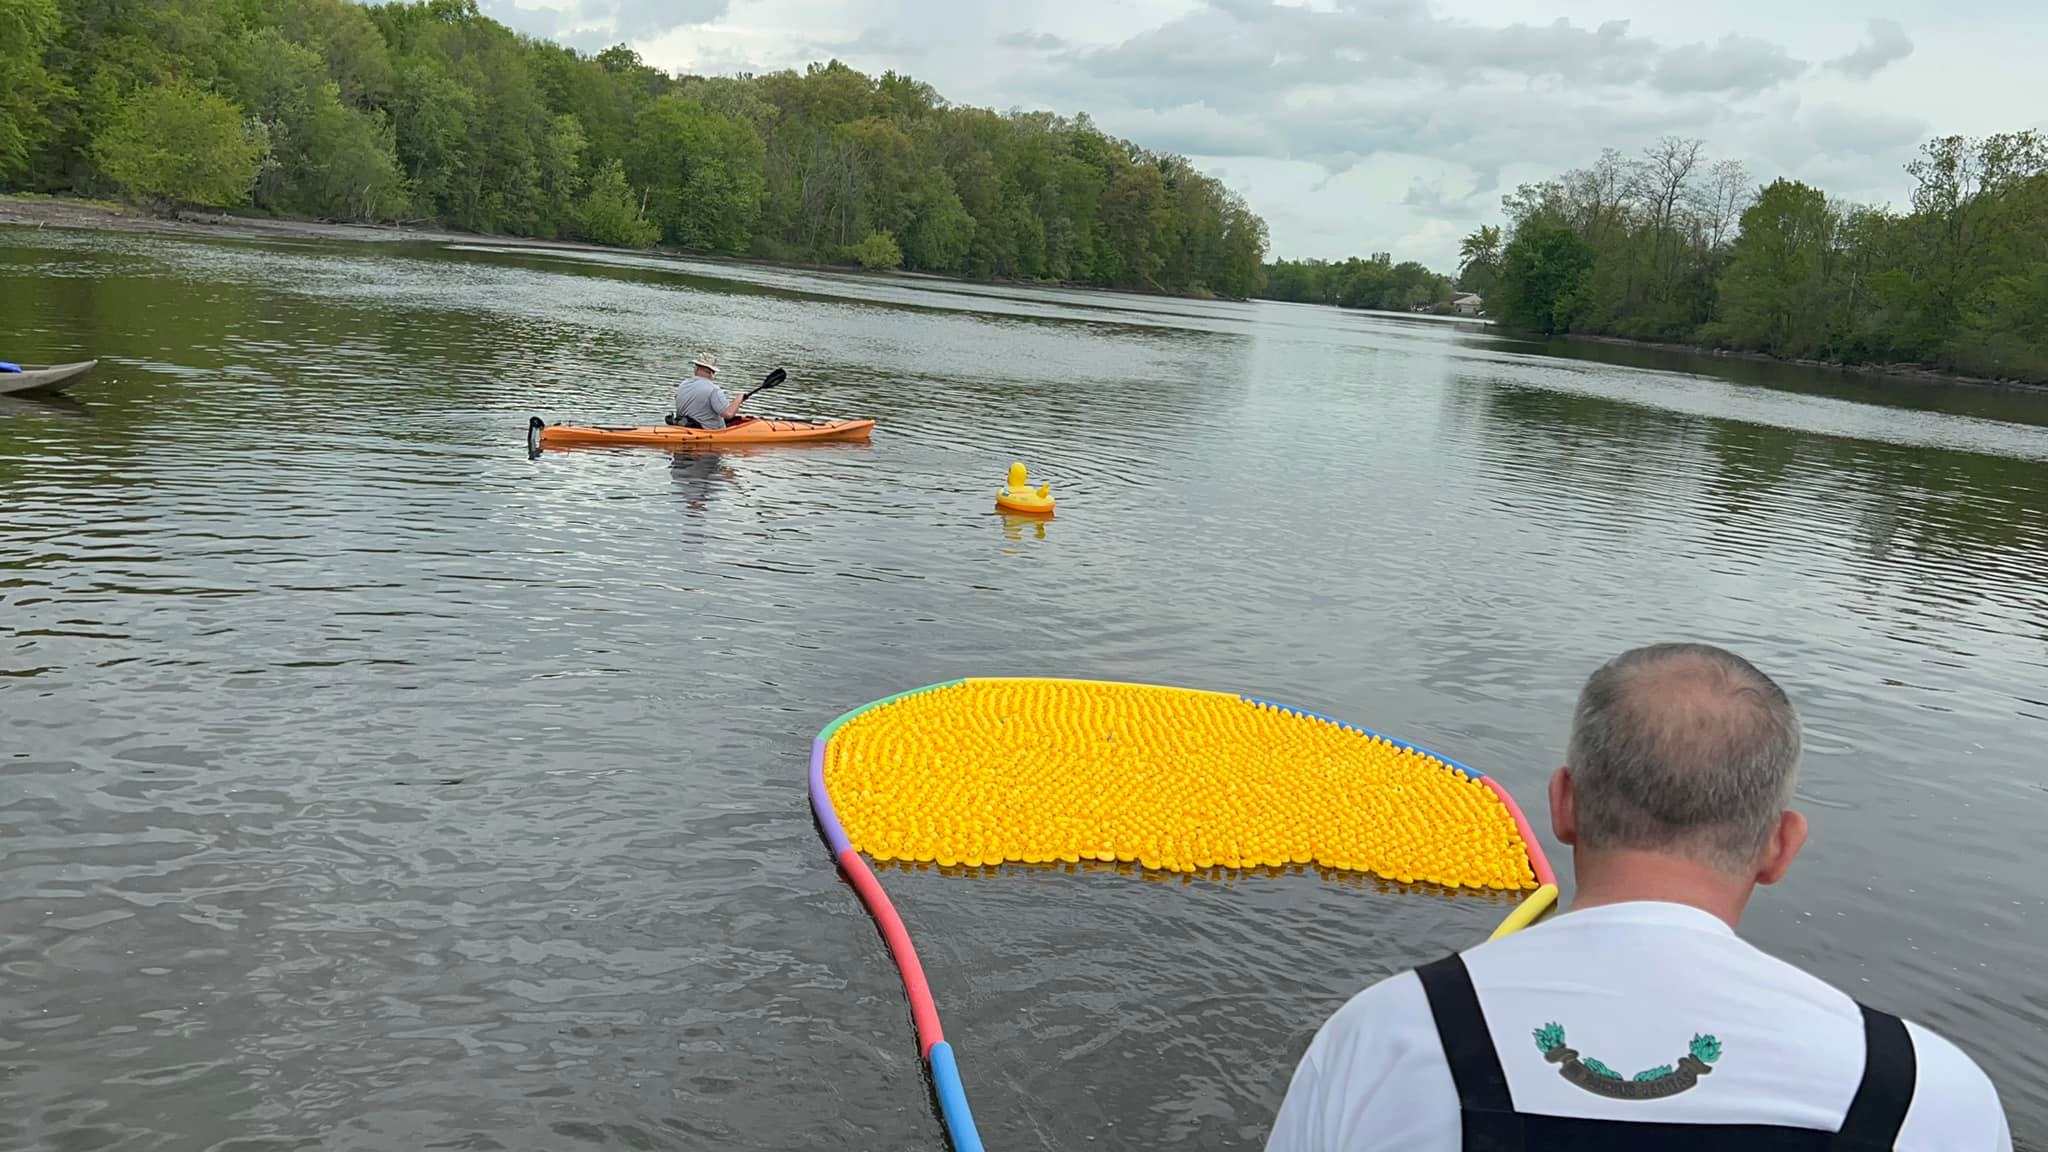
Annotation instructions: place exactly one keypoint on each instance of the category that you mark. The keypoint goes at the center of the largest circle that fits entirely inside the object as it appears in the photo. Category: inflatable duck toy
(1019, 496)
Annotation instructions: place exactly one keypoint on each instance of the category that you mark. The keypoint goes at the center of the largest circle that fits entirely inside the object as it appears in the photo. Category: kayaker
(1639, 1019)
(700, 402)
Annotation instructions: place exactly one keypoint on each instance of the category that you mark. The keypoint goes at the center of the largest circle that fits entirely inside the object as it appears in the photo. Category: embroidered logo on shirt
(1649, 1084)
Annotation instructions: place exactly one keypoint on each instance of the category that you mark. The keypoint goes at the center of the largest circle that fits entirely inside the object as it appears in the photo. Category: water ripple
(371, 785)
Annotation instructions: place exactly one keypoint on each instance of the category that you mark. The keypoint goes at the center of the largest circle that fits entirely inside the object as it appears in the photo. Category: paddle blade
(774, 378)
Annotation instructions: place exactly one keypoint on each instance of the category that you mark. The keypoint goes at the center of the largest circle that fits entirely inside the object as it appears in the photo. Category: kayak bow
(33, 378)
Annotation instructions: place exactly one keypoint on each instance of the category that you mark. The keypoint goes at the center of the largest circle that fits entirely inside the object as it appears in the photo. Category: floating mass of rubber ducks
(1046, 771)
(1019, 496)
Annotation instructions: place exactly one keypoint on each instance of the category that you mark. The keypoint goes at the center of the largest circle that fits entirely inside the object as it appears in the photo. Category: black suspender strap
(1890, 1072)
(1489, 1122)
(1487, 1110)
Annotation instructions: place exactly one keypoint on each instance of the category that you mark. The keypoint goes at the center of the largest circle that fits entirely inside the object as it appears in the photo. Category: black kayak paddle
(774, 378)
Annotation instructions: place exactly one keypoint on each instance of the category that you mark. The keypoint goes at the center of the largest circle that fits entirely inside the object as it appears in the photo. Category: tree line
(1669, 247)
(430, 112)
(1354, 283)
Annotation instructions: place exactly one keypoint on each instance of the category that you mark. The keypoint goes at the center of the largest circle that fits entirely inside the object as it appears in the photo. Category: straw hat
(706, 361)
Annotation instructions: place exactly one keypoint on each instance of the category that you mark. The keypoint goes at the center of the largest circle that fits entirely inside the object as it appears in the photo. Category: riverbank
(101, 215)
(1920, 373)
(36, 211)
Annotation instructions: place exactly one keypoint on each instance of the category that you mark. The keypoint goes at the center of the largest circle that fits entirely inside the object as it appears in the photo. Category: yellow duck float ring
(1019, 496)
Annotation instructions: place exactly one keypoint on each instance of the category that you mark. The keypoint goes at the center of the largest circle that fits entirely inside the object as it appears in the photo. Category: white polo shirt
(1635, 988)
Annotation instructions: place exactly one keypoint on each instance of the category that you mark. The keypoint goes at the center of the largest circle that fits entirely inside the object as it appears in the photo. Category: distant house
(1467, 304)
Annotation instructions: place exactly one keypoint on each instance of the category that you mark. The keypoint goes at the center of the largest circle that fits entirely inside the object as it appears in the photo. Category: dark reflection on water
(1998, 402)
(371, 785)
(51, 406)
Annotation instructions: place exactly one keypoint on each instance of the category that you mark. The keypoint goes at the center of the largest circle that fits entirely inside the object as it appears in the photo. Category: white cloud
(593, 24)
(1362, 125)
(1886, 44)
(1199, 130)
(1734, 64)
(1852, 153)
(1043, 41)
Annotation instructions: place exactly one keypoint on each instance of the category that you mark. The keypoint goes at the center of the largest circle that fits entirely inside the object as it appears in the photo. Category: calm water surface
(367, 785)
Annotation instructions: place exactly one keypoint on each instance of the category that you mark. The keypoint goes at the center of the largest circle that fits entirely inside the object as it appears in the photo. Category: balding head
(1682, 749)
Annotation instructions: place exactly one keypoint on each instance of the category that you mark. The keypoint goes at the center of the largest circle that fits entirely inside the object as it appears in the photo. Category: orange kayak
(540, 434)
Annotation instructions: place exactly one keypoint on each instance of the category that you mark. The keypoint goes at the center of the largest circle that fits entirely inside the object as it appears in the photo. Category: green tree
(2002, 323)
(940, 231)
(1239, 263)
(1479, 260)
(178, 143)
(876, 250)
(1960, 185)
(432, 110)
(501, 186)
(346, 40)
(1543, 273)
(560, 158)
(609, 212)
(702, 172)
(429, 109)
(1670, 247)
(26, 29)
(347, 166)
(328, 158)
(1135, 216)
(1775, 294)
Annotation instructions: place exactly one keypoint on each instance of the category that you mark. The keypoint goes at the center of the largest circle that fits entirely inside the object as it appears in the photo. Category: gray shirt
(701, 400)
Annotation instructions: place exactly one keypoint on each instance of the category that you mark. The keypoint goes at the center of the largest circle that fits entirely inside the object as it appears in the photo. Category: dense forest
(431, 112)
(1356, 283)
(1669, 247)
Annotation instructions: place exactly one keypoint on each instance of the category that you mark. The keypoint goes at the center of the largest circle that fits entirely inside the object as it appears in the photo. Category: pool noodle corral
(821, 802)
(922, 1010)
(1538, 863)
(938, 1054)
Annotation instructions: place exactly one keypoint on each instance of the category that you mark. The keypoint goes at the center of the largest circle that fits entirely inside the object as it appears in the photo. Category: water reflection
(1016, 527)
(1997, 402)
(59, 406)
(1929, 502)
(700, 474)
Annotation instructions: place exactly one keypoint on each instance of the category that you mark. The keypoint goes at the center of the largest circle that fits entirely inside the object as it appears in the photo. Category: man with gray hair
(1639, 1019)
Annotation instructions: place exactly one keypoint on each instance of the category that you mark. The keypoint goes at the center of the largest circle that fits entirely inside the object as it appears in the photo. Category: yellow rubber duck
(1020, 496)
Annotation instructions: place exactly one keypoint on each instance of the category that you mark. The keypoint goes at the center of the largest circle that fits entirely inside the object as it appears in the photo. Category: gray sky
(1355, 126)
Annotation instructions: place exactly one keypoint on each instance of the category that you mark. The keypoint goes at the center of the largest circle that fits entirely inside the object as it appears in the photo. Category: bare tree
(1662, 180)
(1725, 197)
(1528, 200)
(1664, 174)
(1603, 188)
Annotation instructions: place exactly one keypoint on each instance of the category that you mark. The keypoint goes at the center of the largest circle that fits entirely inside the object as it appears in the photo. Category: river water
(368, 785)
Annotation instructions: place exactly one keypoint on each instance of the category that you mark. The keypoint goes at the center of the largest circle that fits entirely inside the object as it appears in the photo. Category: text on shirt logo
(1649, 1084)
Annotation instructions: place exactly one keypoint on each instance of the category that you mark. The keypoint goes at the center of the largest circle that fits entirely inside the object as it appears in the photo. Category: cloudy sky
(1355, 126)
